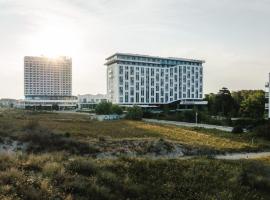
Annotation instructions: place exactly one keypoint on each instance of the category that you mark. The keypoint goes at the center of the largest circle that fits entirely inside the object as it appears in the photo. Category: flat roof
(158, 57)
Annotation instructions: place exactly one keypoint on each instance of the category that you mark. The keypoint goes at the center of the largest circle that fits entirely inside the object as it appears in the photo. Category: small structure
(89, 101)
(7, 103)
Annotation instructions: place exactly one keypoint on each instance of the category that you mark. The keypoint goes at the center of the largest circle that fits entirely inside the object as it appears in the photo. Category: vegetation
(263, 130)
(56, 176)
(237, 129)
(107, 108)
(58, 163)
(134, 113)
(244, 103)
(76, 130)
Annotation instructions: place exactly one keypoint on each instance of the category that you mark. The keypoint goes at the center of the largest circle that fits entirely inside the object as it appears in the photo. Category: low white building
(7, 103)
(89, 101)
(267, 85)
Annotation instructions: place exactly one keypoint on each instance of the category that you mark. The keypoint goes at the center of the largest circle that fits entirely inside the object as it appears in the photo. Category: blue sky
(233, 36)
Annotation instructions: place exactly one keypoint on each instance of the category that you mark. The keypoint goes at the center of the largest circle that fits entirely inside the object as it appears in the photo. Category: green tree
(253, 105)
(224, 102)
(104, 108)
(116, 109)
(135, 113)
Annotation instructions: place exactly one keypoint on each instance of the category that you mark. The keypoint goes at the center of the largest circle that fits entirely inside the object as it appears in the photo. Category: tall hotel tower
(48, 81)
(147, 80)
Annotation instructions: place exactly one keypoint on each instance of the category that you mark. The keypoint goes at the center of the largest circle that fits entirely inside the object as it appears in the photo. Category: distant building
(48, 82)
(149, 80)
(89, 101)
(267, 106)
(7, 103)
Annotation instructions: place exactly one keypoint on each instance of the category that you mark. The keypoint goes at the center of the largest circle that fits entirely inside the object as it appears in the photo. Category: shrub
(263, 131)
(107, 108)
(117, 110)
(237, 129)
(135, 113)
(82, 167)
(104, 108)
(31, 125)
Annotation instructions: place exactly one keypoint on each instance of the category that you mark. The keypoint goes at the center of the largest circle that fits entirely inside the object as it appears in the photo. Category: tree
(116, 109)
(224, 102)
(253, 105)
(135, 113)
(104, 108)
(55, 107)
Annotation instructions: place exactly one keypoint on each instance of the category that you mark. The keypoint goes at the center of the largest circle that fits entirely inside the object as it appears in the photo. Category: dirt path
(207, 126)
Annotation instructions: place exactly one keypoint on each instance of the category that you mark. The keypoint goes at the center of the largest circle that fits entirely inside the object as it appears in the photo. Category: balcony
(267, 84)
(267, 95)
(267, 106)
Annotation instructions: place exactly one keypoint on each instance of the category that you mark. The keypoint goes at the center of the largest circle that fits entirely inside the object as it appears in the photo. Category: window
(132, 91)
(137, 76)
(126, 75)
(126, 85)
(137, 85)
(142, 92)
(142, 81)
(121, 70)
(157, 97)
(137, 97)
(131, 71)
(121, 80)
(152, 72)
(126, 97)
(142, 71)
(131, 80)
(120, 90)
(152, 91)
(152, 81)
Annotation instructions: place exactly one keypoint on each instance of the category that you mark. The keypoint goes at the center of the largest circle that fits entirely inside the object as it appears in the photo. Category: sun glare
(55, 40)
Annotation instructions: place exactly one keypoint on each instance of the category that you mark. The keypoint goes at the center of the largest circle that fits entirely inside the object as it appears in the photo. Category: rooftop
(156, 57)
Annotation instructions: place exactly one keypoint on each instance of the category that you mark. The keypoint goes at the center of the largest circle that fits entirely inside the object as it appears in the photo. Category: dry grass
(82, 128)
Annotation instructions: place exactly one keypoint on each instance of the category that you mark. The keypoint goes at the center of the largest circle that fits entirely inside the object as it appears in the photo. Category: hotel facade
(48, 82)
(148, 80)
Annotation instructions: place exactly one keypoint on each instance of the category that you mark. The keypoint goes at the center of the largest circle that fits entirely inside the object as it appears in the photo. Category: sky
(232, 36)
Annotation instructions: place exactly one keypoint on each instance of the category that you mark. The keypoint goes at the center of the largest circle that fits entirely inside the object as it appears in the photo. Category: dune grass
(80, 127)
(56, 176)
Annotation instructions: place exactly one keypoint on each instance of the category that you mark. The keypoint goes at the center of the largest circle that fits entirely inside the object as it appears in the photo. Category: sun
(55, 40)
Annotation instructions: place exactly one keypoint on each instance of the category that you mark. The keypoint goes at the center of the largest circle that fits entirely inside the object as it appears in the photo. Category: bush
(83, 167)
(104, 108)
(117, 110)
(107, 108)
(31, 125)
(237, 129)
(263, 131)
(135, 113)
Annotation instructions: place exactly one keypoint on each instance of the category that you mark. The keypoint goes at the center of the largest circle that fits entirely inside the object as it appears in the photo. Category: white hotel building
(148, 80)
(48, 82)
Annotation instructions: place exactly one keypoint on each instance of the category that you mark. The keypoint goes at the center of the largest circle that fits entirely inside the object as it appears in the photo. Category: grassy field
(81, 128)
(59, 165)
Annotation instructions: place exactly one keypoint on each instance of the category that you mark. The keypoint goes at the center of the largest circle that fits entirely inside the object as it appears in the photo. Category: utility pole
(196, 118)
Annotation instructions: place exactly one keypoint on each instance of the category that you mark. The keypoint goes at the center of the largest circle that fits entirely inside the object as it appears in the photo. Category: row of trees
(107, 108)
(244, 103)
